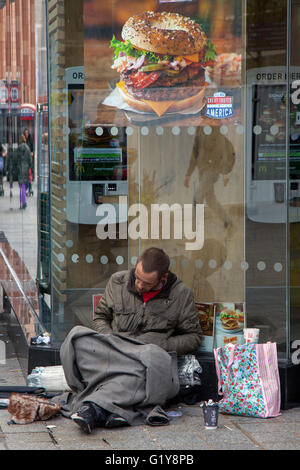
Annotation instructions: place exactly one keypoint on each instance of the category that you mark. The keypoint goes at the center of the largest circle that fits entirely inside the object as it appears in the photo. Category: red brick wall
(17, 45)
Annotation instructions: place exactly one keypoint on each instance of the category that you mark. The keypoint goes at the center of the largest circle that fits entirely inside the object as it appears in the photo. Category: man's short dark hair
(155, 259)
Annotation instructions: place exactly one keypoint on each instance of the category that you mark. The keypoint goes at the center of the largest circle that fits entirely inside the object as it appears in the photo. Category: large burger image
(162, 61)
(229, 319)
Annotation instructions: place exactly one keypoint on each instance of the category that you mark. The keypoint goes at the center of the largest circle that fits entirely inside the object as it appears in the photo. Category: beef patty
(181, 86)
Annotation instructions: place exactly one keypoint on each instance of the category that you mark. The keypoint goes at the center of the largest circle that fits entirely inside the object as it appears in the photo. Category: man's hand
(187, 181)
(226, 179)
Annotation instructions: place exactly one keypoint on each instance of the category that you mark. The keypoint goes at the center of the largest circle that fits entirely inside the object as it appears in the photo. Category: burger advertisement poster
(221, 324)
(162, 61)
(229, 323)
(206, 315)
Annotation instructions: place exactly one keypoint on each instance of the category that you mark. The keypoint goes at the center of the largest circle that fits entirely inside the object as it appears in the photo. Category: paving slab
(184, 433)
(5, 418)
(29, 441)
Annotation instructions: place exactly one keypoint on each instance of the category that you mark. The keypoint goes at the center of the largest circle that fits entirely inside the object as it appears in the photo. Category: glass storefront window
(293, 188)
(266, 174)
(164, 178)
(207, 182)
(18, 202)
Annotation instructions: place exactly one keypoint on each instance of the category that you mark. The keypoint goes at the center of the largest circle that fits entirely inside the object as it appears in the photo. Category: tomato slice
(209, 63)
(141, 80)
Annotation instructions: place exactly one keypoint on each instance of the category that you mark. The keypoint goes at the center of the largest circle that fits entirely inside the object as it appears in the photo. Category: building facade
(17, 40)
(216, 183)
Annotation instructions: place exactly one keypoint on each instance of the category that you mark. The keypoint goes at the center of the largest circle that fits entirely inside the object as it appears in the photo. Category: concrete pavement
(20, 226)
(186, 432)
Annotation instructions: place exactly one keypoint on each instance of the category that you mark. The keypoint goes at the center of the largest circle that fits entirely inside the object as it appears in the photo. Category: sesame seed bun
(164, 33)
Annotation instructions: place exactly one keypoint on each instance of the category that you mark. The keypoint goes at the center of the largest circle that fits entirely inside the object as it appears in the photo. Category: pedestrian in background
(24, 163)
(29, 142)
(11, 166)
(2, 168)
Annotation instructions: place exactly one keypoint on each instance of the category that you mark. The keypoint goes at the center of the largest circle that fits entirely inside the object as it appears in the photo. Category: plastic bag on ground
(51, 378)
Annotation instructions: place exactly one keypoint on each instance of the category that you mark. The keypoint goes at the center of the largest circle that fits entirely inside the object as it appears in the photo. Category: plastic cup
(279, 192)
(210, 414)
(251, 335)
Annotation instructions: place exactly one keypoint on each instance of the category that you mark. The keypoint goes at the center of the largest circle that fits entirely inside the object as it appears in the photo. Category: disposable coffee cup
(279, 192)
(251, 335)
(210, 414)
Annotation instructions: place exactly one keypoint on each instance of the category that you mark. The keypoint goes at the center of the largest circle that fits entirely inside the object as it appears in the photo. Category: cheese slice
(159, 107)
(121, 85)
(192, 57)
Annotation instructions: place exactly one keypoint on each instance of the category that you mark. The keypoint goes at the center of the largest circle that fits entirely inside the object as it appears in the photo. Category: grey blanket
(122, 375)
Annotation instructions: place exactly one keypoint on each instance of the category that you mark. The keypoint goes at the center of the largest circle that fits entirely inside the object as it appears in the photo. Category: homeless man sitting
(122, 369)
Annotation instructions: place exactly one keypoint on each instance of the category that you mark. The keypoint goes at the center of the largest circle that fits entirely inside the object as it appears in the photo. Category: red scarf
(152, 293)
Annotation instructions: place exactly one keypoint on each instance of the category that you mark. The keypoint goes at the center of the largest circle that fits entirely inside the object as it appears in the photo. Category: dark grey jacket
(11, 164)
(169, 320)
(24, 162)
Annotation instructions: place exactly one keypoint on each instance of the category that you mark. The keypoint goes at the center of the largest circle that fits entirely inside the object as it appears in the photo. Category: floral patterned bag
(248, 379)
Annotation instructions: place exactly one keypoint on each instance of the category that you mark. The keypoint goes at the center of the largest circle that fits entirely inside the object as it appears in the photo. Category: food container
(251, 335)
(210, 414)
